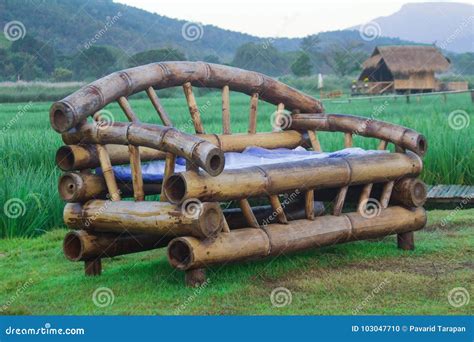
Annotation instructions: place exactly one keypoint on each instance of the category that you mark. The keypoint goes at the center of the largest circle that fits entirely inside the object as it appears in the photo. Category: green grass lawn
(28, 144)
(368, 277)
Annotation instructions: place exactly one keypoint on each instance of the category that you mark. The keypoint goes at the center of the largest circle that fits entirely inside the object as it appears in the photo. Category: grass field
(356, 278)
(28, 145)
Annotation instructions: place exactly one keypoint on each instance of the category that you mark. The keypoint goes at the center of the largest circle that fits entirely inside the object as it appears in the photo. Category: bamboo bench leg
(93, 267)
(195, 277)
(406, 241)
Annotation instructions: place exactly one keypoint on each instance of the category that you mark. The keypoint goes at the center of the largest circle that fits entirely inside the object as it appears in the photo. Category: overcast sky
(274, 18)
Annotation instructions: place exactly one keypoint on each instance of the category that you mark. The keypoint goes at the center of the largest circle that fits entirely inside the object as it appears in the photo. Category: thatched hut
(403, 69)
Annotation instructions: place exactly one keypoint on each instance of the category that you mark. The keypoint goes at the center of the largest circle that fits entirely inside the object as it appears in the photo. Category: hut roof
(408, 58)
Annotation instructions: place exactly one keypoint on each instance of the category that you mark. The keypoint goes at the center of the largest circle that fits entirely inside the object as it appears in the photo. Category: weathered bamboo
(248, 213)
(278, 209)
(226, 142)
(170, 163)
(278, 118)
(409, 192)
(314, 141)
(69, 112)
(386, 194)
(157, 218)
(193, 108)
(80, 245)
(108, 173)
(168, 139)
(80, 187)
(134, 151)
(303, 175)
(265, 215)
(78, 157)
(382, 145)
(347, 140)
(364, 196)
(253, 114)
(159, 107)
(226, 110)
(398, 135)
(340, 199)
(247, 243)
(308, 204)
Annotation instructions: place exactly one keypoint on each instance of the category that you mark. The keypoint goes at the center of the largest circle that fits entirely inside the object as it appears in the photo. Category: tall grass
(28, 173)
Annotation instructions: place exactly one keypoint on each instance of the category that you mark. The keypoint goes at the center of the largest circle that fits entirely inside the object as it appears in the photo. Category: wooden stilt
(406, 241)
(195, 277)
(93, 267)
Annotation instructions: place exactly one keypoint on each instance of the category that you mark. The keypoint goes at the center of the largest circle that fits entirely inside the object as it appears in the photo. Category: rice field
(28, 175)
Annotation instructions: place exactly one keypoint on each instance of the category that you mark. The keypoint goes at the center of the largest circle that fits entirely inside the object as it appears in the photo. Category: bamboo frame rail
(195, 149)
(400, 136)
(190, 253)
(158, 218)
(278, 178)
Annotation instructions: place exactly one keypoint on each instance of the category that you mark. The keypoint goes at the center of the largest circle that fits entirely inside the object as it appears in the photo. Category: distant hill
(450, 25)
(69, 25)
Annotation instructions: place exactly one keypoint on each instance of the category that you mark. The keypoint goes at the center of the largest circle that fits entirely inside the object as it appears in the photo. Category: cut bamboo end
(193, 108)
(411, 192)
(253, 114)
(79, 245)
(62, 117)
(226, 110)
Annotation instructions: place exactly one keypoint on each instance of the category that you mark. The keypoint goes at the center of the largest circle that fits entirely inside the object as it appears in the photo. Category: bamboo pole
(108, 173)
(168, 139)
(253, 114)
(278, 209)
(69, 112)
(78, 157)
(155, 218)
(170, 163)
(382, 145)
(226, 110)
(80, 245)
(386, 194)
(193, 108)
(347, 140)
(398, 135)
(278, 120)
(364, 197)
(248, 213)
(81, 187)
(314, 141)
(279, 178)
(340, 199)
(244, 244)
(309, 206)
(158, 107)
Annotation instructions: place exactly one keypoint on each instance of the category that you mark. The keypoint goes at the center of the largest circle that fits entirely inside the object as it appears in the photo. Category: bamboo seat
(279, 207)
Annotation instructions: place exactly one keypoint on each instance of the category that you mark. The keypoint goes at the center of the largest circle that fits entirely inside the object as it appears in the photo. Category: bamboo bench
(329, 198)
